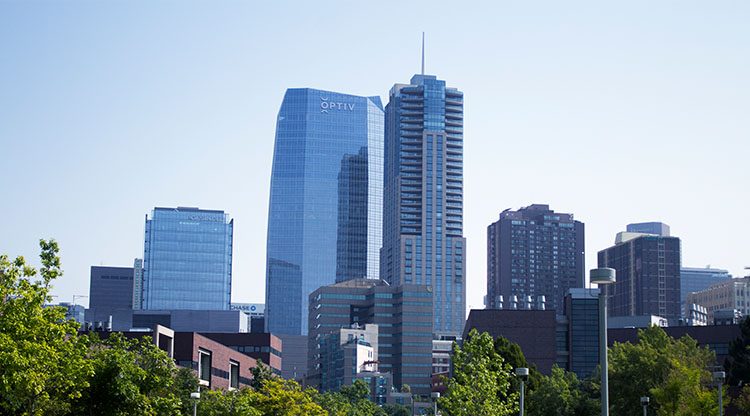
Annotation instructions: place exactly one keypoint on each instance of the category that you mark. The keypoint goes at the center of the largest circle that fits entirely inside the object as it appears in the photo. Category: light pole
(719, 377)
(435, 396)
(523, 374)
(603, 276)
(644, 403)
(195, 396)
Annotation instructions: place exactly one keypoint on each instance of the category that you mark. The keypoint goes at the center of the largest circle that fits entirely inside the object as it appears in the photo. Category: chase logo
(326, 105)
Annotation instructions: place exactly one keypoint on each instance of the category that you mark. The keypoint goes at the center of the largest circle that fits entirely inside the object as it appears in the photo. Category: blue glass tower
(325, 211)
(187, 259)
(423, 239)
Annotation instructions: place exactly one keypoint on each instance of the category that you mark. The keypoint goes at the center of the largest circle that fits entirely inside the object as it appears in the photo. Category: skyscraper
(648, 275)
(423, 239)
(187, 259)
(325, 212)
(534, 252)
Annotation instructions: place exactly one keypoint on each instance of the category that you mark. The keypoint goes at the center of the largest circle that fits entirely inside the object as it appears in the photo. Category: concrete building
(404, 318)
(695, 279)
(423, 240)
(648, 275)
(534, 252)
(729, 294)
(344, 353)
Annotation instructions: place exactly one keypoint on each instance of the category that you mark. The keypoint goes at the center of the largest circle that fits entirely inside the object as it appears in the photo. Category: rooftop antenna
(422, 53)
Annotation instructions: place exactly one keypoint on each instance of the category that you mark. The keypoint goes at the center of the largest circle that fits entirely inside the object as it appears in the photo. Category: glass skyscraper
(423, 239)
(187, 259)
(325, 212)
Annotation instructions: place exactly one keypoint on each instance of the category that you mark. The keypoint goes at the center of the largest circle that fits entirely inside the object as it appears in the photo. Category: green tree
(671, 371)
(513, 355)
(185, 382)
(737, 364)
(261, 372)
(43, 365)
(241, 402)
(279, 397)
(351, 400)
(559, 394)
(396, 410)
(480, 382)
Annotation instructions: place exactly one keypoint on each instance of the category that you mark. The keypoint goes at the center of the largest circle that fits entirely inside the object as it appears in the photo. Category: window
(234, 374)
(204, 366)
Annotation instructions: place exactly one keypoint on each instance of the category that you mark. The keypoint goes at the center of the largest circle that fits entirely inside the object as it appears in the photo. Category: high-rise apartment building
(648, 275)
(423, 239)
(534, 252)
(695, 279)
(187, 259)
(325, 212)
(403, 315)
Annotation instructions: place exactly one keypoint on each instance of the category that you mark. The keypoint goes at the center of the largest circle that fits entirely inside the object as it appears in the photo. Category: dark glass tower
(423, 239)
(648, 275)
(534, 252)
(325, 212)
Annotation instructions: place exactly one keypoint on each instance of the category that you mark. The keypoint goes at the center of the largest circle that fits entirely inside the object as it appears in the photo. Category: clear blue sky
(616, 111)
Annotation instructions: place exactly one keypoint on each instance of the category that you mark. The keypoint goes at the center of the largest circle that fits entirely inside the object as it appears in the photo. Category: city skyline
(647, 121)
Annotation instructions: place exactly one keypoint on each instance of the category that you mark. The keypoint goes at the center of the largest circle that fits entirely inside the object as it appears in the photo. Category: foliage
(674, 373)
(228, 403)
(481, 379)
(42, 360)
(185, 382)
(737, 365)
(261, 372)
(130, 377)
(561, 394)
(742, 402)
(351, 400)
(396, 410)
(512, 354)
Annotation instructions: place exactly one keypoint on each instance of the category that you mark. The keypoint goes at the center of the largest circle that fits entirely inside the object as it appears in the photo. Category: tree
(185, 382)
(130, 377)
(671, 371)
(351, 400)
(396, 410)
(560, 394)
(279, 397)
(513, 355)
(228, 403)
(480, 382)
(43, 365)
(737, 364)
(261, 372)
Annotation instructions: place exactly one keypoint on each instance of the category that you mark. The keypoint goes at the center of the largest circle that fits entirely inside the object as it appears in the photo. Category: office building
(110, 295)
(648, 275)
(325, 212)
(423, 241)
(726, 295)
(582, 314)
(187, 260)
(344, 353)
(695, 279)
(534, 252)
(403, 315)
(186, 320)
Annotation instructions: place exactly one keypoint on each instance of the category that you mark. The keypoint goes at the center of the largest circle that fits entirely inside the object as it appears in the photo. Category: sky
(618, 112)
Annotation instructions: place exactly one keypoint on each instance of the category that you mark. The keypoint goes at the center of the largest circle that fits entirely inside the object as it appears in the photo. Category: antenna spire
(422, 53)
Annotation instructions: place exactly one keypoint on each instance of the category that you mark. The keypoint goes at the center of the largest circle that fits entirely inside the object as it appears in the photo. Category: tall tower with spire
(423, 240)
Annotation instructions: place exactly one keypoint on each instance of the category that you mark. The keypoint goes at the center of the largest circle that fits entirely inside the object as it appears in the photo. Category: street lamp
(195, 396)
(435, 396)
(719, 377)
(603, 276)
(644, 403)
(523, 374)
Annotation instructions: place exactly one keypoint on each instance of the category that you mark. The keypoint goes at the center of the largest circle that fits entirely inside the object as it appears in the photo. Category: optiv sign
(326, 105)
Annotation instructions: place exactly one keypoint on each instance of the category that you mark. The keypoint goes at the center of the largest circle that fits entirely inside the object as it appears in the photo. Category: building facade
(582, 314)
(187, 260)
(345, 353)
(695, 279)
(110, 295)
(325, 212)
(423, 239)
(403, 315)
(726, 295)
(648, 275)
(655, 228)
(534, 252)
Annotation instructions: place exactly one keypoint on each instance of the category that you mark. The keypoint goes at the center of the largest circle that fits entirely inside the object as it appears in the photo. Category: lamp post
(644, 403)
(195, 396)
(603, 276)
(719, 377)
(435, 396)
(523, 374)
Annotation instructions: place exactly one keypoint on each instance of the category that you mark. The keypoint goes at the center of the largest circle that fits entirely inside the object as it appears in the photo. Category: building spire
(422, 53)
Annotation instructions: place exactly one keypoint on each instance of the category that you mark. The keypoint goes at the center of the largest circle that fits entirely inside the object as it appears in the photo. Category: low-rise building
(728, 294)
